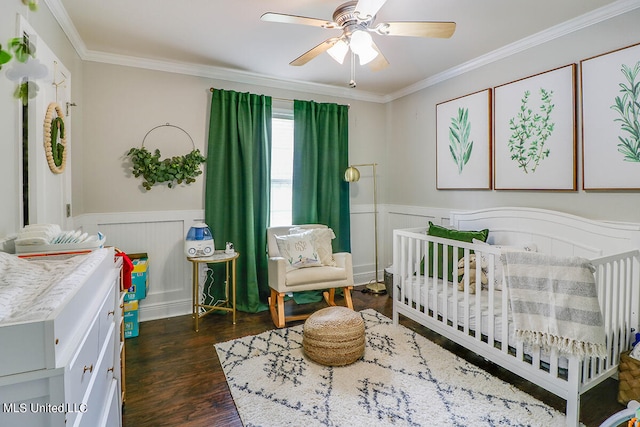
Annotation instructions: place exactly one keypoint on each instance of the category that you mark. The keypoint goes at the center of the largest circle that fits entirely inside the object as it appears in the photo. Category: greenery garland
(178, 169)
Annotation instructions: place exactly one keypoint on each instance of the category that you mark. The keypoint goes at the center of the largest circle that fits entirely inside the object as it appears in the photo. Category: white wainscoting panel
(161, 235)
(401, 216)
(390, 217)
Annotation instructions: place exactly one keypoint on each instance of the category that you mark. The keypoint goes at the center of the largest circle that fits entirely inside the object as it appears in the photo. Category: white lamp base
(376, 288)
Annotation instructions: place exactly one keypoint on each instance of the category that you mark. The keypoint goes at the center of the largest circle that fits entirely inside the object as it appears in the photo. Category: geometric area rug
(403, 379)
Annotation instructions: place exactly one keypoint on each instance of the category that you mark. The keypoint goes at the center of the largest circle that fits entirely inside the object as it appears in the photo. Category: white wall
(123, 103)
(411, 150)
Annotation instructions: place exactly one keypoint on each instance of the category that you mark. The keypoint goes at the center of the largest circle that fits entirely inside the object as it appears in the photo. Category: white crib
(481, 321)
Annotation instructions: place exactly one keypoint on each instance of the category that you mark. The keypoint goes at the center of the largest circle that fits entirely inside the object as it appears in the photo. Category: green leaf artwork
(530, 131)
(628, 106)
(460, 145)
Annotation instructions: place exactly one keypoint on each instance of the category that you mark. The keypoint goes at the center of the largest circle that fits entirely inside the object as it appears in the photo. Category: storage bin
(139, 277)
(388, 280)
(131, 319)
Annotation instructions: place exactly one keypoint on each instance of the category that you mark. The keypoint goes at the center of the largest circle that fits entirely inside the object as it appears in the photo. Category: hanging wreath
(55, 140)
(154, 170)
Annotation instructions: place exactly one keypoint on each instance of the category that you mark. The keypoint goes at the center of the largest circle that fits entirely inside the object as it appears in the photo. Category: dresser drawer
(113, 414)
(97, 392)
(106, 314)
(82, 366)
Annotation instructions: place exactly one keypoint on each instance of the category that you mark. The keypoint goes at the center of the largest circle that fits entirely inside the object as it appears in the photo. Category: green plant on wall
(460, 144)
(628, 106)
(530, 132)
(20, 46)
(22, 50)
(172, 170)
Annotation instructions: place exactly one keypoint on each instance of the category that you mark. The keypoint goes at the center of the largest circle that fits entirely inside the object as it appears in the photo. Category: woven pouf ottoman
(334, 336)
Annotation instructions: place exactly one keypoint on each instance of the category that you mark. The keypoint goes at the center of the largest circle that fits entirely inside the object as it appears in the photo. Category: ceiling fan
(356, 19)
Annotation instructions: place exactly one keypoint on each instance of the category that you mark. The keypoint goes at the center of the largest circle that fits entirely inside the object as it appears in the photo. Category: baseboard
(165, 309)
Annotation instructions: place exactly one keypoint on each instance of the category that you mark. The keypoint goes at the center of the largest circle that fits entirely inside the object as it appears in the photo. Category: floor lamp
(352, 174)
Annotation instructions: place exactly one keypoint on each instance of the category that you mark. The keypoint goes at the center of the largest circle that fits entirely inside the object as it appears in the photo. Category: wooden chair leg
(276, 307)
(347, 296)
(329, 296)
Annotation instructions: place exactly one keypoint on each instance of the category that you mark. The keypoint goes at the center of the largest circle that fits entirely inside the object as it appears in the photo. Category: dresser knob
(88, 368)
(111, 313)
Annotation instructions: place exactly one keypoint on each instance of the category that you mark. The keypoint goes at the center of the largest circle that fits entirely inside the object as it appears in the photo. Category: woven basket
(629, 376)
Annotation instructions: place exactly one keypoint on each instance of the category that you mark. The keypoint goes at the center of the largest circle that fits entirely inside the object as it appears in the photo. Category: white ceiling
(226, 38)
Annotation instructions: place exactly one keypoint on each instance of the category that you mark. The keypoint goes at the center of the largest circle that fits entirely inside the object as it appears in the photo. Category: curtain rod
(212, 89)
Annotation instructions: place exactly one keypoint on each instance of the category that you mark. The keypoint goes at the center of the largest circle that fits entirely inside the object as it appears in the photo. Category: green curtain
(237, 194)
(320, 157)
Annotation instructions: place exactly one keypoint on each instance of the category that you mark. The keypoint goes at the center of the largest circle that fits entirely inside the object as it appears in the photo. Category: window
(281, 168)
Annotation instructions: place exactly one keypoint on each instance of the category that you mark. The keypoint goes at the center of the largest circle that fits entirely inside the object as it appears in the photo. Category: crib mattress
(416, 292)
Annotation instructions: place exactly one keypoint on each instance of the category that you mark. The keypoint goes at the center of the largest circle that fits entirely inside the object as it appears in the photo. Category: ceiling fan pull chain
(352, 82)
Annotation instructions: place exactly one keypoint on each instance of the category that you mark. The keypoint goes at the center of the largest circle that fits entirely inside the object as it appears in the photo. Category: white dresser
(65, 370)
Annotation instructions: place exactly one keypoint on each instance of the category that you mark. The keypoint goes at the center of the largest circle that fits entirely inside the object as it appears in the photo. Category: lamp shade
(367, 55)
(338, 51)
(351, 174)
(360, 41)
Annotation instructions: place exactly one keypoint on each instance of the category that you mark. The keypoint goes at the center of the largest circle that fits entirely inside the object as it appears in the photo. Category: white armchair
(283, 279)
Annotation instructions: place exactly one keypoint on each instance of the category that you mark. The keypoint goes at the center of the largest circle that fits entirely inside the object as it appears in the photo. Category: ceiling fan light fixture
(360, 41)
(367, 55)
(362, 45)
(338, 51)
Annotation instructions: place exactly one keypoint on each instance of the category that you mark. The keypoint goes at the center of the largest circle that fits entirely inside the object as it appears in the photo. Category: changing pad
(32, 289)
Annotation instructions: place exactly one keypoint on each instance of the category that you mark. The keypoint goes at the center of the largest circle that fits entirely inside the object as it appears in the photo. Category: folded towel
(554, 303)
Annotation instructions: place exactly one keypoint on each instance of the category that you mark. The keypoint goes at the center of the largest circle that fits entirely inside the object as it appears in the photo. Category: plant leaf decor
(530, 132)
(174, 170)
(628, 106)
(460, 145)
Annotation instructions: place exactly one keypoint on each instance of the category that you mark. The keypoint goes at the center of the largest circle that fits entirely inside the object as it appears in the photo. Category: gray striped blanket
(554, 302)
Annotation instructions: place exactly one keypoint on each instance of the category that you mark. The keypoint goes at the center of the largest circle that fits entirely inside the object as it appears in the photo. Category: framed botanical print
(611, 120)
(535, 132)
(463, 142)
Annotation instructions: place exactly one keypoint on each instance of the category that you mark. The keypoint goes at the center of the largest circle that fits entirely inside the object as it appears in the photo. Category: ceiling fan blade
(315, 51)
(367, 9)
(380, 62)
(416, 29)
(293, 19)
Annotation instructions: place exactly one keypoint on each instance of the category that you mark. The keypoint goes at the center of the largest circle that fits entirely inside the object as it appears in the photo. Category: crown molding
(236, 76)
(60, 14)
(599, 15)
(591, 18)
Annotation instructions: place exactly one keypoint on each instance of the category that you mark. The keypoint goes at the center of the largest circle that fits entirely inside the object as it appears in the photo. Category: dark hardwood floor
(174, 378)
